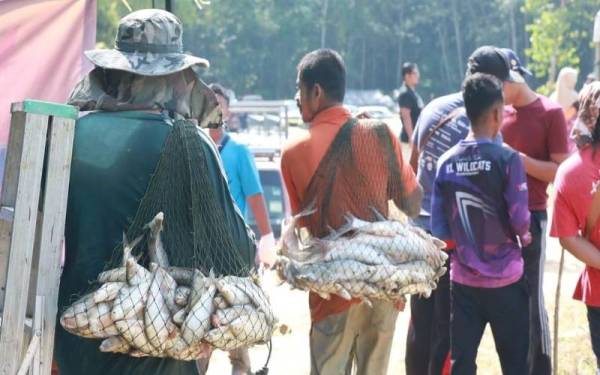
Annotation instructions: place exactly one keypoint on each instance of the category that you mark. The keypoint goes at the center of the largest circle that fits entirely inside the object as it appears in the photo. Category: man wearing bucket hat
(138, 91)
(536, 128)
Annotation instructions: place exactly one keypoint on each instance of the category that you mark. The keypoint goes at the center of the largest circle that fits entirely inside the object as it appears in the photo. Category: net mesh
(184, 285)
(352, 240)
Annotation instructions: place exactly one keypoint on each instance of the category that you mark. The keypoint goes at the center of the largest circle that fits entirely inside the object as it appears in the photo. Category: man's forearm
(540, 169)
(406, 123)
(582, 249)
(261, 215)
(411, 204)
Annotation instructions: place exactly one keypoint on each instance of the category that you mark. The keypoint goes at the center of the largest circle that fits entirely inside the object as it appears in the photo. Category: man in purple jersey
(480, 201)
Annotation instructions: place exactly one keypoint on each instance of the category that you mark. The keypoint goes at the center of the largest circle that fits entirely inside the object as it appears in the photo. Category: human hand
(400, 304)
(526, 239)
(266, 253)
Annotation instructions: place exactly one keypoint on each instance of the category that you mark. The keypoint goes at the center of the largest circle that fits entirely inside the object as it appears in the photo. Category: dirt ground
(290, 354)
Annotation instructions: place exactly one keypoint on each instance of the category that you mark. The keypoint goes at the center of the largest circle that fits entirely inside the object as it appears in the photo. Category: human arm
(439, 222)
(540, 169)
(260, 213)
(582, 249)
(411, 194)
(406, 121)
(516, 198)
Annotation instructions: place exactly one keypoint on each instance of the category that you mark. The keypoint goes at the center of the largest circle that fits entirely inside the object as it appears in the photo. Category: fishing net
(182, 282)
(352, 239)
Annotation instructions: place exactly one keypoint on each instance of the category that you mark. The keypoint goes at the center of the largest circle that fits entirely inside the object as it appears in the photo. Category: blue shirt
(480, 201)
(241, 172)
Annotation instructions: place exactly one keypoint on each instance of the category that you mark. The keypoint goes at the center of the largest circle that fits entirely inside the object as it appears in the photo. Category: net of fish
(170, 311)
(384, 260)
(352, 238)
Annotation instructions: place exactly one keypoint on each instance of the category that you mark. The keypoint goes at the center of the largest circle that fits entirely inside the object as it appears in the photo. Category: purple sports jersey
(479, 200)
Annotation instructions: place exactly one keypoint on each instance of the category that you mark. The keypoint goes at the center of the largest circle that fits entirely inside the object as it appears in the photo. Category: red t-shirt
(574, 184)
(537, 130)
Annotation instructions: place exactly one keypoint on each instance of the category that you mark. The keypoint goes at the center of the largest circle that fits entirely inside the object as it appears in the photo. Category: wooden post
(54, 211)
(34, 125)
(24, 200)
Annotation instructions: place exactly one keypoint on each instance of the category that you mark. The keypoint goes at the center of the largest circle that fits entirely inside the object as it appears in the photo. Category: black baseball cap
(515, 63)
(494, 61)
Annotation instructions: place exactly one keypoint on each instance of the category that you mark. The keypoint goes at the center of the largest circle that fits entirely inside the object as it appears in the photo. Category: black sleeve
(406, 100)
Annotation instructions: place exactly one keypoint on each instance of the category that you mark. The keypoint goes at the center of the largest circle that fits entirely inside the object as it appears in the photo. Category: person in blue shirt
(246, 190)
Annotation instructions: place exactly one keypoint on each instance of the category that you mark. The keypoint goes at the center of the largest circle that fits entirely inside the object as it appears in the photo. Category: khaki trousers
(357, 341)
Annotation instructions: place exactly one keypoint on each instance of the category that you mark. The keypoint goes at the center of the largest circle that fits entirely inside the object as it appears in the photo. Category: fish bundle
(386, 259)
(169, 311)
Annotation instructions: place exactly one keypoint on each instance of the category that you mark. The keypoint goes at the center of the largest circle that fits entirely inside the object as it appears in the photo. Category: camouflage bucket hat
(149, 43)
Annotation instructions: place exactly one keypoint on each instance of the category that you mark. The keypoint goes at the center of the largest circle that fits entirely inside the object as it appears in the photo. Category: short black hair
(481, 92)
(219, 90)
(325, 67)
(408, 68)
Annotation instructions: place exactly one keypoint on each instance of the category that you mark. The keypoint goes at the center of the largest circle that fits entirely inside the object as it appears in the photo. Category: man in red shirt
(536, 128)
(371, 172)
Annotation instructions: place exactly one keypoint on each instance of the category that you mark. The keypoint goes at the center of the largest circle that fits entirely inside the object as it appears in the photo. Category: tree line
(254, 45)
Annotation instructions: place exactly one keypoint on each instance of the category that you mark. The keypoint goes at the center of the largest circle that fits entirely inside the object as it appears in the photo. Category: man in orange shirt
(341, 166)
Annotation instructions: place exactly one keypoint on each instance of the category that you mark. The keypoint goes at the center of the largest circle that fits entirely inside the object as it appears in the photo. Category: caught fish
(75, 317)
(100, 321)
(115, 275)
(115, 344)
(157, 317)
(251, 328)
(199, 286)
(182, 295)
(133, 332)
(156, 250)
(136, 274)
(223, 338)
(179, 316)
(130, 301)
(108, 291)
(226, 316)
(197, 321)
(232, 294)
(220, 303)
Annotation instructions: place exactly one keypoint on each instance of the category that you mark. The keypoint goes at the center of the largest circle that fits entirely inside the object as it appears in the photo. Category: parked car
(276, 199)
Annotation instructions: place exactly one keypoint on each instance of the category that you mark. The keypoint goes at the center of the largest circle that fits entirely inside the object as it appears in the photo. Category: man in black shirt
(409, 100)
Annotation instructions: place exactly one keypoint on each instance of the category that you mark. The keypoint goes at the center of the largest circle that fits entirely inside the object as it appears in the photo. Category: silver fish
(115, 275)
(115, 344)
(133, 332)
(157, 317)
(156, 250)
(100, 321)
(108, 291)
(182, 295)
(197, 321)
(130, 301)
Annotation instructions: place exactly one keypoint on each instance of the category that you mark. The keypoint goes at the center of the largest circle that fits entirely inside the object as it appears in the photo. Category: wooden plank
(21, 244)
(40, 107)
(9, 192)
(38, 329)
(53, 227)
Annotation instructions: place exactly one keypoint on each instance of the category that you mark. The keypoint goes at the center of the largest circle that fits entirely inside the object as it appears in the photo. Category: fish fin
(324, 295)
(342, 292)
(153, 267)
(367, 302)
(377, 214)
